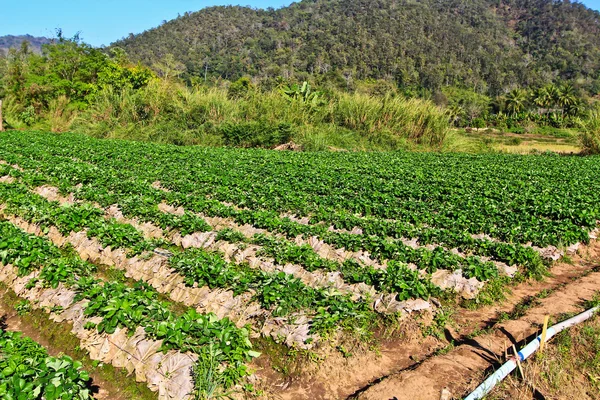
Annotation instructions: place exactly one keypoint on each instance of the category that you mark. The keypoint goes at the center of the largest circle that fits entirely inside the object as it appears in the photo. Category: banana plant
(303, 94)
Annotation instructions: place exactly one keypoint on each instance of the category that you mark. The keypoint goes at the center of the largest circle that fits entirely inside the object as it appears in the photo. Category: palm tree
(547, 99)
(553, 95)
(516, 101)
(566, 98)
(575, 109)
(541, 98)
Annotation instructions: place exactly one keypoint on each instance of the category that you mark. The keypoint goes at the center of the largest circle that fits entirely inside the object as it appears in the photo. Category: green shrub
(517, 129)
(591, 142)
(255, 134)
(240, 88)
(478, 123)
(514, 141)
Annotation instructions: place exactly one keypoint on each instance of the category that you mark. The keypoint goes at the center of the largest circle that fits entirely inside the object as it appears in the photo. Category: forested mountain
(487, 45)
(10, 41)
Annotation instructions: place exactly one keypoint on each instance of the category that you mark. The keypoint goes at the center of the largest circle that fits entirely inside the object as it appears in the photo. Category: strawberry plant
(27, 372)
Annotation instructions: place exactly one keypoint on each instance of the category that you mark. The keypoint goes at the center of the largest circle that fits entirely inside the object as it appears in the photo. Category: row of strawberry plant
(393, 279)
(142, 207)
(304, 255)
(429, 260)
(513, 226)
(36, 209)
(27, 371)
(371, 190)
(278, 292)
(121, 306)
(509, 253)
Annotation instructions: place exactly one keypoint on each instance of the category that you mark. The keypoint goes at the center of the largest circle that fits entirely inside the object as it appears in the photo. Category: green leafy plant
(23, 307)
(28, 372)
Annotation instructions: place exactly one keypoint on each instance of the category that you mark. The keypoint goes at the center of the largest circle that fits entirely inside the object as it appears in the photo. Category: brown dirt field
(406, 367)
(463, 368)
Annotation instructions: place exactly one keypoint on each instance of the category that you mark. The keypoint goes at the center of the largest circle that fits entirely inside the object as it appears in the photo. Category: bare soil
(463, 368)
(406, 365)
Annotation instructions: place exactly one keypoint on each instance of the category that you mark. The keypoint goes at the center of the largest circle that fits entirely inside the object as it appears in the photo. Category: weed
(438, 326)
(593, 302)
(288, 361)
(23, 307)
(567, 259)
(446, 349)
(520, 309)
(210, 380)
(345, 353)
(493, 292)
(481, 331)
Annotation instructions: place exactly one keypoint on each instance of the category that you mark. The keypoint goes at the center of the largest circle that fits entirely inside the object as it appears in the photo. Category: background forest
(352, 74)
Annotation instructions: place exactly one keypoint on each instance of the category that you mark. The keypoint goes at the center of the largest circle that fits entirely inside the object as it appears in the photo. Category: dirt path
(57, 340)
(464, 367)
(375, 375)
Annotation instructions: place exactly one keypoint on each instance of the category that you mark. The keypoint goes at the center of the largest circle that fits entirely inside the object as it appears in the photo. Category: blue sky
(104, 21)
(101, 21)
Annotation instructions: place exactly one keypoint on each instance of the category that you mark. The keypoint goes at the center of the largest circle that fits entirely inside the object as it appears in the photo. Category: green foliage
(515, 141)
(590, 137)
(255, 134)
(516, 101)
(466, 107)
(27, 372)
(209, 380)
(304, 94)
(23, 307)
(66, 69)
(488, 46)
(209, 116)
(72, 86)
(593, 302)
(440, 323)
(240, 88)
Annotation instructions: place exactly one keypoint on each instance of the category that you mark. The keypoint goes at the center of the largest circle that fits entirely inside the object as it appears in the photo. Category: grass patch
(520, 309)
(287, 361)
(593, 302)
(437, 328)
(494, 291)
(569, 368)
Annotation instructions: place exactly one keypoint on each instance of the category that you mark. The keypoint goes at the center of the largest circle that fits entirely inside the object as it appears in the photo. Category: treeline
(488, 46)
(100, 92)
(552, 105)
(72, 86)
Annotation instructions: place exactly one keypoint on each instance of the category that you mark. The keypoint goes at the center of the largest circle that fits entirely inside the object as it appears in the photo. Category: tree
(566, 98)
(169, 67)
(516, 101)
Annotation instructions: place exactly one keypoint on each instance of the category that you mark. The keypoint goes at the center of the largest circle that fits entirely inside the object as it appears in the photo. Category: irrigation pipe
(525, 353)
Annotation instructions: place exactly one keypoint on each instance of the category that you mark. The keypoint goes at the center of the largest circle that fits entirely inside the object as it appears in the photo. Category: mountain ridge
(14, 41)
(487, 45)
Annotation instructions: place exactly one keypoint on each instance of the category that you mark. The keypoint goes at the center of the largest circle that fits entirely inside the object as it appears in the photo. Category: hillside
(488, 45)
(10, 41)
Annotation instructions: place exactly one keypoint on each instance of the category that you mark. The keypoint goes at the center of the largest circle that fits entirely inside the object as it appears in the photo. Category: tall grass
(171, 113)
(590, 137)
(414, 119)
